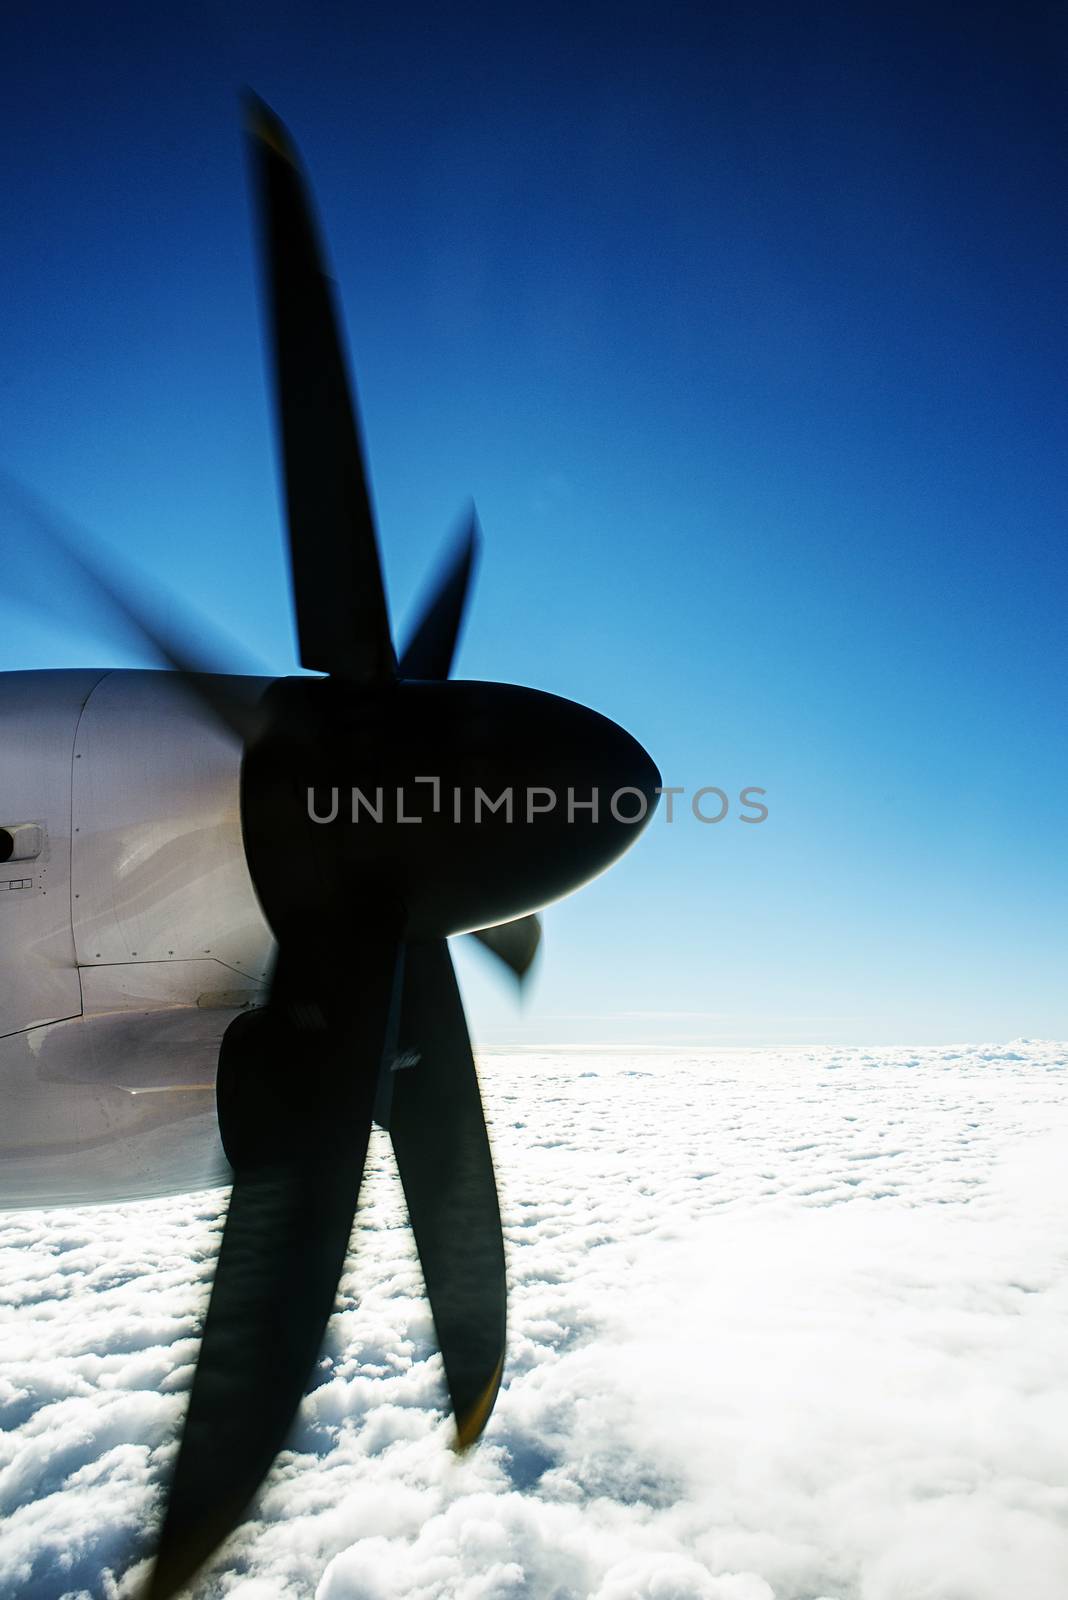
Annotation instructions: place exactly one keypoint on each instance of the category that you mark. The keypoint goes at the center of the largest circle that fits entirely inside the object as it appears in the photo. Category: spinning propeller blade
(342, 619)
(430, 651)
(61, 564)
(435, 1121)
(296, 1087)
(515, 943)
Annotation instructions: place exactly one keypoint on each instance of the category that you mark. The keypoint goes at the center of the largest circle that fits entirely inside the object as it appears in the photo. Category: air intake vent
(21, 841)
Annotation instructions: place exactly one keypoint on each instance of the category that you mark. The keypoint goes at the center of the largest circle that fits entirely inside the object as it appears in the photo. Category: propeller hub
(463, 803)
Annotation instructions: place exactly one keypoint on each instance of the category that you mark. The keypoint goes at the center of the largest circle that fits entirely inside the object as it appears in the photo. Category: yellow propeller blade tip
(262, 124)
(470, 1426)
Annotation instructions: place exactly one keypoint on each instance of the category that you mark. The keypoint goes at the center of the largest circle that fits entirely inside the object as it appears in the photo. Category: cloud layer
(784, 1326)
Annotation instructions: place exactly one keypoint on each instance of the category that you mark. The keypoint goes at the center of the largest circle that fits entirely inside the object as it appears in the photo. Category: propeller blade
(430, 651)
(60, 574)
(439, 1138)
(297, 1084)
(515, 943)
(342, 617)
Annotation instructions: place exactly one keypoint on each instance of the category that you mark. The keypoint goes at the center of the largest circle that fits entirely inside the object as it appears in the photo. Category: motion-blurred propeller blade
(61, 574)
(439, 1137)
(430, 650)
(342, 618)
(515, 943)
(296, 1086)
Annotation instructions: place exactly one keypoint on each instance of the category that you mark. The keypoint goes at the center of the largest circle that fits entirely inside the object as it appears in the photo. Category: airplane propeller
(363, 1019)
(301, 1079)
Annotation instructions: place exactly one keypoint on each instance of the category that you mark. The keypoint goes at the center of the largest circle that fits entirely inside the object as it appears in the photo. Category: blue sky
(743, 324)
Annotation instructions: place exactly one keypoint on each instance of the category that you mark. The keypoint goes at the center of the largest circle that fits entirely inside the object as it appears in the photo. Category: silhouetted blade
(443, 1154)
(60, 573)
(432, 646)
(297, 1083)
(342, 618)
(515, 943)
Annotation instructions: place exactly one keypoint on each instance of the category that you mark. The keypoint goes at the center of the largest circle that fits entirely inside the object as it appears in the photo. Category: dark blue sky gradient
(745, 326)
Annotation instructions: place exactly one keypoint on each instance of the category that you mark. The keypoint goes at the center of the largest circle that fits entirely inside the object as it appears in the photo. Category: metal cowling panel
(158, 864)
(39, 714)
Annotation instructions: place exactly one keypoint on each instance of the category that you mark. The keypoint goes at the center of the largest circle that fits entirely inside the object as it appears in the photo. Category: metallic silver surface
(39, 714)
(135, 942)
(157, 866)
(119, 1106)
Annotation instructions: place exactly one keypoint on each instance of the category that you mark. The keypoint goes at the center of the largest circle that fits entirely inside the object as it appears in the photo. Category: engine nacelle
(130, 934)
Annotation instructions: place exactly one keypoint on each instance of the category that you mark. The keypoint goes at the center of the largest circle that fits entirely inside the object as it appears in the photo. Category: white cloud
(783, 1327)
